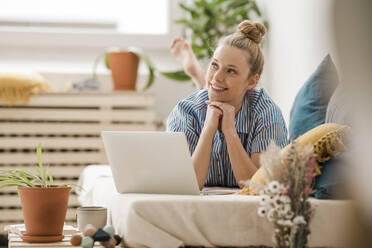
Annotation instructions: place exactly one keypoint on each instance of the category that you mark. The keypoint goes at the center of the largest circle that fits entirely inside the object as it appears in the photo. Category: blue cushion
(331, 183)
(310, 105)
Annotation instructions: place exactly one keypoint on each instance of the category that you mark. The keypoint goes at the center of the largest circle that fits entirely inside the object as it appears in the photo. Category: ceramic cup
(97, 216)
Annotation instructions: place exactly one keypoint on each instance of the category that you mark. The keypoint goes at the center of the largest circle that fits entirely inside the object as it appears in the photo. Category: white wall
(299, 37)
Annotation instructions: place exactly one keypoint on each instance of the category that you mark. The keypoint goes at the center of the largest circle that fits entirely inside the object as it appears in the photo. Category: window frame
(34, 37)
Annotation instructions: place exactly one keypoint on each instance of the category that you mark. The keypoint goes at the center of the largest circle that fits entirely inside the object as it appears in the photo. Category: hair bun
(252, 30)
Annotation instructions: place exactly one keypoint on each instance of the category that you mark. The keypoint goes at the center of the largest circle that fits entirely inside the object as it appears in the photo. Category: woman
(229, 123)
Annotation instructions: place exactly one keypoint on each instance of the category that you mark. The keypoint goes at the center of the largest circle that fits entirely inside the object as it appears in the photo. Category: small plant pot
(124, 69)
(44, 212)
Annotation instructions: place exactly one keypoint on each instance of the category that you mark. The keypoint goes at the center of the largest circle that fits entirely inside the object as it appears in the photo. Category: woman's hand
(228, 116)
(212, 118)
(202, 154)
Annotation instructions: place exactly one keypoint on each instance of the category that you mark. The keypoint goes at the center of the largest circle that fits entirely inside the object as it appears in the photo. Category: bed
(146, 220)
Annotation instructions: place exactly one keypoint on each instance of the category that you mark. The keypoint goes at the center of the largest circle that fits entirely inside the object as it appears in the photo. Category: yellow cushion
(327, 140)
(17, 87)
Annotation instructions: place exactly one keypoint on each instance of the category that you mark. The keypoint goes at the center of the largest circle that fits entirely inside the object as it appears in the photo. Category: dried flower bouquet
(284, 201)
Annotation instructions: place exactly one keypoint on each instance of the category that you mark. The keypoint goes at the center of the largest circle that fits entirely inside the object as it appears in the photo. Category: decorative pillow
(331, 183)
(328, 141)
(310, 105)
(17, 87)
(337, 111)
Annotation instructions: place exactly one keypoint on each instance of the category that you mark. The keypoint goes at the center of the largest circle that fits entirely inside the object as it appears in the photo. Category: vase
(44, 211)
(124, 69)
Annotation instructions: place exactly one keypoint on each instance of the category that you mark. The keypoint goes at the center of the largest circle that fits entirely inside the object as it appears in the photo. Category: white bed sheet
(146, 220)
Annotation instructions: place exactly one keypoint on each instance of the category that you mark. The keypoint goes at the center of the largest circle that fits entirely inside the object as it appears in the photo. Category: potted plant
(124, 67)
(44, 204)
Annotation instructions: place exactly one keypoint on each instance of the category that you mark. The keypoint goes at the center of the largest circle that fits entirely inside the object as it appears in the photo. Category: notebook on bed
(150, 162)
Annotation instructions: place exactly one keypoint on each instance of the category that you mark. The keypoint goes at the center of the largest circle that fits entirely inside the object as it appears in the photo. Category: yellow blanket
(17, 87)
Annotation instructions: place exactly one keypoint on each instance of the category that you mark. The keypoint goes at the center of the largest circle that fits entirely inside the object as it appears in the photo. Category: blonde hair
(248, 37)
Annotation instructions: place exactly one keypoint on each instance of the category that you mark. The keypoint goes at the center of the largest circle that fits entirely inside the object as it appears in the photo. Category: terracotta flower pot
(124, 68)
(44, 210)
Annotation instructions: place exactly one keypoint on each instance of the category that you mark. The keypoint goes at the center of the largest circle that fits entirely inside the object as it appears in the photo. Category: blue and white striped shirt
(258, 122)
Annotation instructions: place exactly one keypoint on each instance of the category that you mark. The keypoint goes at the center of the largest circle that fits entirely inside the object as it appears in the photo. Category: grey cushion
(337, 111)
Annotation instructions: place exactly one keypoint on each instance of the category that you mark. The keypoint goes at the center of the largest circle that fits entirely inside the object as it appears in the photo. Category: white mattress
(213, 220)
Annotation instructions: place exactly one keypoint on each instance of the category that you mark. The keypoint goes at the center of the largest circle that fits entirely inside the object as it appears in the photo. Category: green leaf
(256, 9)
(3, 186)
(51, 181)
(218, 2)
(212, 19)
(38, 153)
(197, 49)
(148, 63)
(7, 185)
(177, 75)
(30, 175)
(237, 4)
(41, 169)
(192, 11)
(25, 178)
(106, 61)
(182, 21)
(16, 176)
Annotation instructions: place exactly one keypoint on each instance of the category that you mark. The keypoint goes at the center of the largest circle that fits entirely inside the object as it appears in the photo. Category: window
(88, 22)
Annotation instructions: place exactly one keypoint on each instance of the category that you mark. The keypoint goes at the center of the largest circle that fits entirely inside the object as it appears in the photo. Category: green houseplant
(44, 204)
(209, 20)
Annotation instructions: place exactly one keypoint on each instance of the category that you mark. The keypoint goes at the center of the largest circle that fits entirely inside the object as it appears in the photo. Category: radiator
(68, 126)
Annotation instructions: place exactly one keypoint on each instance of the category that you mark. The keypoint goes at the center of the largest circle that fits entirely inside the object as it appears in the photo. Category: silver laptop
(150, 162)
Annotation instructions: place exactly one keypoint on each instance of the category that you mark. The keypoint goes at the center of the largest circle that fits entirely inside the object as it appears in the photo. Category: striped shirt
(258, 122)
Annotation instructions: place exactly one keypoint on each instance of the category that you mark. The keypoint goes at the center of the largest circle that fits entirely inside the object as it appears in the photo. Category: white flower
(280, 222)
(277, 202)
(262, 211)
(285, 199)
(267, 191)
(284, 222)
(289, 214)
(284, 209)
(274, 186)
(271, 199)
(264, 199)
(299, 220)
(288, 223)
(282, 188)
(271, 215)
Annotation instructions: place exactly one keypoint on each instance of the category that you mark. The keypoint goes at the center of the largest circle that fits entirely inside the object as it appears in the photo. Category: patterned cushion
(328, 141)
